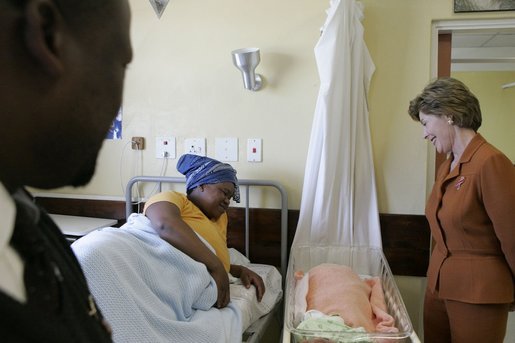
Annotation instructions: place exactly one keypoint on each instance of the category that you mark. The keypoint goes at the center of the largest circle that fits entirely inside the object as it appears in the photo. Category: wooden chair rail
(406, 238)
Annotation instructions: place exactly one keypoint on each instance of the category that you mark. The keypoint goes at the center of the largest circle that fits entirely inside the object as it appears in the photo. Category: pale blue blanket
(151, 292)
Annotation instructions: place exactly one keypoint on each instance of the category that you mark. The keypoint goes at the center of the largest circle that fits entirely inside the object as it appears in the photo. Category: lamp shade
(246, 60)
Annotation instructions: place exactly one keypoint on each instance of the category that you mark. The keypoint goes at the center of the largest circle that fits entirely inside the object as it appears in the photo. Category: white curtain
(339, 204)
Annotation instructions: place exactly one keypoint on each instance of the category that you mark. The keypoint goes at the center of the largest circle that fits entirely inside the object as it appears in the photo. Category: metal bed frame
(247, 184)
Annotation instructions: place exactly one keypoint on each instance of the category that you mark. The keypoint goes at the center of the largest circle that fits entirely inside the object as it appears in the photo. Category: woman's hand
(248, 278)
(222, 284)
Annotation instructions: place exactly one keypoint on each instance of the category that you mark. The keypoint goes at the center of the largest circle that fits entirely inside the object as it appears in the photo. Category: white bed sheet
(135, 255)
(245, 299)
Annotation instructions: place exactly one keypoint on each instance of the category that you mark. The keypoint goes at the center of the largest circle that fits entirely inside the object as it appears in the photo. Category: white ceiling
(485, 50)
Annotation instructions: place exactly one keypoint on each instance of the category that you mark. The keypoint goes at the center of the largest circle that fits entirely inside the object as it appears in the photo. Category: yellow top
(213, 231)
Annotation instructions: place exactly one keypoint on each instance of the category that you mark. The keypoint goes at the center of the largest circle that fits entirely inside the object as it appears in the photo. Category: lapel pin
(460, 182)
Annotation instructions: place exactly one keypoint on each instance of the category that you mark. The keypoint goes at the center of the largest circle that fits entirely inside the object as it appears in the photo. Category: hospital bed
(268, 325)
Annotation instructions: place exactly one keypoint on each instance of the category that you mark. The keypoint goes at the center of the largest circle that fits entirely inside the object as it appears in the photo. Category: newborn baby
(337, 290)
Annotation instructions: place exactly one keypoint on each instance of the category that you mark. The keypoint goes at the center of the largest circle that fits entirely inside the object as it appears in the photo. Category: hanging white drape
(339, 203)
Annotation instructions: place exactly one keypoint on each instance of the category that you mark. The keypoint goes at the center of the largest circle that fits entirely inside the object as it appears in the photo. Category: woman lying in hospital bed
(152, 290)
(180, 219)
(332, 297)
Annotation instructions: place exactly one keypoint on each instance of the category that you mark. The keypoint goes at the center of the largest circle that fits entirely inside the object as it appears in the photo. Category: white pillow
(237, 257)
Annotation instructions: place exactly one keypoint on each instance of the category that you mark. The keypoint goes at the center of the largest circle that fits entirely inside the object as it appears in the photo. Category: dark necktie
(41, 274)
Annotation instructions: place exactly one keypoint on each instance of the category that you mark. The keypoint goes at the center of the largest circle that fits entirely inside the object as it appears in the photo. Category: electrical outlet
(196, 146)
(138, 143)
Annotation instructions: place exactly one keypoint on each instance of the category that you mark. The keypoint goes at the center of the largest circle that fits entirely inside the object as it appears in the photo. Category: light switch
(165, 147)
(226, 149)
(254, 150)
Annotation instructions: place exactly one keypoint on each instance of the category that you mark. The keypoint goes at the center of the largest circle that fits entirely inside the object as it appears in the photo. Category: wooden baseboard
(406, 243)
(84, 207)
(406, 238)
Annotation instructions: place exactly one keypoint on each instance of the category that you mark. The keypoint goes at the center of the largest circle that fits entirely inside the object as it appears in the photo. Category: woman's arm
(166, 220)
(498, 195)
(248, 278)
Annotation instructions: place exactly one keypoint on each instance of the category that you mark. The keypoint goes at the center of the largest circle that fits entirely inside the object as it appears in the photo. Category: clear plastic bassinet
(365, 261)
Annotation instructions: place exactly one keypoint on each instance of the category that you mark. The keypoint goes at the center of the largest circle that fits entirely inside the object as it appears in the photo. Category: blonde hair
(448, 97)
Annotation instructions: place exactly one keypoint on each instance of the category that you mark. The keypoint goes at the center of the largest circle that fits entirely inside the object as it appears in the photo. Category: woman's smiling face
(438, 131)
(213, 199)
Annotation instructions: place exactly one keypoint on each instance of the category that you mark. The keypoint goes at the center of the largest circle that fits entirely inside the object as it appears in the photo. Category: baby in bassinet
(337, 297)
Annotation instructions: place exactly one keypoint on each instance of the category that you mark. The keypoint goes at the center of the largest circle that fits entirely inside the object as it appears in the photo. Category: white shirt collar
(11, 264)
(8, 216)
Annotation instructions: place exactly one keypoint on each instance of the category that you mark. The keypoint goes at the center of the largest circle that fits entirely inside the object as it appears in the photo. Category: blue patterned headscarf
(201, 170)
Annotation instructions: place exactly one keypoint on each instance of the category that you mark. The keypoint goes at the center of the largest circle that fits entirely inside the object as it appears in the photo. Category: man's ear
(44, 36)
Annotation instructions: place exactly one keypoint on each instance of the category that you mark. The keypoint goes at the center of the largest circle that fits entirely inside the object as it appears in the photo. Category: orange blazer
(471, 213)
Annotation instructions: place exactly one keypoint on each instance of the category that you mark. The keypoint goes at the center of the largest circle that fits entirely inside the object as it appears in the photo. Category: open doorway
(482, 54)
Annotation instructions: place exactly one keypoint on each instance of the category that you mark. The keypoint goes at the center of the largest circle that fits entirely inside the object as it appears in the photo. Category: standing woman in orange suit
(471, 213)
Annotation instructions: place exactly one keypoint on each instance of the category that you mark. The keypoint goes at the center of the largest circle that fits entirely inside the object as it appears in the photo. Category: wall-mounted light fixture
(246, 60)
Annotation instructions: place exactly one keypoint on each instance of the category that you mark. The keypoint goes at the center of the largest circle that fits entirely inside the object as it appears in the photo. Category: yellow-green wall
(182, 83)
(497, 106)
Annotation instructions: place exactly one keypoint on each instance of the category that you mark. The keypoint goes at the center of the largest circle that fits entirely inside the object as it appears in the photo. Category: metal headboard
(247, 184)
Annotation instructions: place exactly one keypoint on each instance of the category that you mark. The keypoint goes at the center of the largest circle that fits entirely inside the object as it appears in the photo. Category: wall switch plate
(165, 147)
(137, 143)
(254, 150)
(196, 146)
(226, 149)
